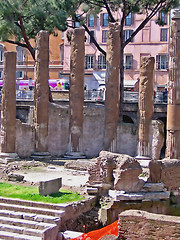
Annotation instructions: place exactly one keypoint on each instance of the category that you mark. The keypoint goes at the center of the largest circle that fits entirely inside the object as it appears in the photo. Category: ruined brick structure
(41, 93)
(136, 224)
(112, 88)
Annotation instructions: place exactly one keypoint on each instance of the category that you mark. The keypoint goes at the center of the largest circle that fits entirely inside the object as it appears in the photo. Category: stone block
(50, 186)
(153, 187)
(15, 177)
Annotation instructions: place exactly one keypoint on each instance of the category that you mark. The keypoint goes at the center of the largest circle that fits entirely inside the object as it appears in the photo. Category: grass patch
(32, 193)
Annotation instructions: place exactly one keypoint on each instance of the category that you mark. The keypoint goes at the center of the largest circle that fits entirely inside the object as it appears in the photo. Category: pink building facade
(152, 41)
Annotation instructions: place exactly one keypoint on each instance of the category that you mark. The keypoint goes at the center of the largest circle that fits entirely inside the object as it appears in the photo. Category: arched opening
(163, 150)
(127, 119)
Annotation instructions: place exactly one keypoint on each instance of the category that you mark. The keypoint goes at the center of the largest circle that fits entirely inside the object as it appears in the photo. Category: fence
(94, 95)
(24, 94)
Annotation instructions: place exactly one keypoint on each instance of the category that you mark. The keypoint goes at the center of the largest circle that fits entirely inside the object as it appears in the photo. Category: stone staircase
(28, 220)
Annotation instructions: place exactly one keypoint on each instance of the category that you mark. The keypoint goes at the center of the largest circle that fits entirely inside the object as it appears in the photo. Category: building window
(128, 61)
(163, 34)
(20, 55)
(76, 23)
(1, 54)
(19, 74)
(91, 20)
(89, 61)
(127, 34)
(162, 18)
(104, 36)
(162, 61)
(128, 20)
(101, 62)
(105, 20)
(90, 38)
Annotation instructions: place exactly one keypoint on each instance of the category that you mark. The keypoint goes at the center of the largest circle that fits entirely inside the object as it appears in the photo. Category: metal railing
(94, 95)
(24, 94)
(99, 95)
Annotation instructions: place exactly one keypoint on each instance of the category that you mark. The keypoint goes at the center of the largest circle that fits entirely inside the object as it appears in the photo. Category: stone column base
(75, 155)
(8, 157)
(41, 155)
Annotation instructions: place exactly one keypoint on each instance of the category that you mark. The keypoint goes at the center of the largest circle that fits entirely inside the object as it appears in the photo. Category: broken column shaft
(8, 104)
(41, 91)
(112, 87)
(173, 108)
(76, 92)
(146, 104)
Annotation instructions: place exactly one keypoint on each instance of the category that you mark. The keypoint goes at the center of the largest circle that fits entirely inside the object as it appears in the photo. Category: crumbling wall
(25, 139)
(166, 171)
(58, 129)
(136, 224)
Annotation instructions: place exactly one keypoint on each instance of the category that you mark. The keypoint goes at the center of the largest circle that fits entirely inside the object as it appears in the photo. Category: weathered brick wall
(135, 224)
(166, 171)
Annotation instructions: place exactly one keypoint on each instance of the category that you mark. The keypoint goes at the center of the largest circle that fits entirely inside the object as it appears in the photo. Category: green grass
(31, 193)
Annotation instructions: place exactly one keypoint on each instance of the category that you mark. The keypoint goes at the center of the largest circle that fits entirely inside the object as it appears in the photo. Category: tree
(21, 20)
(147, 7)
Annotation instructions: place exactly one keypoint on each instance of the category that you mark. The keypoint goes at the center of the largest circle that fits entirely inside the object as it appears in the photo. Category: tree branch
(94, 40)
(17, 43)
(109, 11)
(29, 47)
(141, 26)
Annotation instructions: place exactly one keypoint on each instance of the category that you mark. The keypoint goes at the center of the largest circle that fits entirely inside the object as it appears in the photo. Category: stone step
(30, 216)
(27, 229)
(16, 236)
(28, 209)
(26, 223)
(21, 230)
(62, 206)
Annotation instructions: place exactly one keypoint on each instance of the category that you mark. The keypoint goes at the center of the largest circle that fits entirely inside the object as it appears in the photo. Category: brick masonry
(135, 224)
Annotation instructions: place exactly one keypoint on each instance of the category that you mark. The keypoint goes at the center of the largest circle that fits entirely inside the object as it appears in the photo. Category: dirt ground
(36, 171)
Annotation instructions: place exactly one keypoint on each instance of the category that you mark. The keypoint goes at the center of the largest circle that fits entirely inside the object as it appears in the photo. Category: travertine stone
(173, 109)
(146, 103)
(156, 138)
(127, 174)
(112, 87)
(8, 103)
(41, 93)
(76, 97)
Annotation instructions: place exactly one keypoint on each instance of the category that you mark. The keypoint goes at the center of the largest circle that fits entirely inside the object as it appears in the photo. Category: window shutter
(101, 19)
(157, 61)
(132, 19)
(95, 21)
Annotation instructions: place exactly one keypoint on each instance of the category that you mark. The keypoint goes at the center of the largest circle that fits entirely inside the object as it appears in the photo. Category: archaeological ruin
(127, 174)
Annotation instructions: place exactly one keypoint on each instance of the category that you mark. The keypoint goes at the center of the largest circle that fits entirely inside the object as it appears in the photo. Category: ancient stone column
(76, 92)
(146, 104)
(41, 91)
(112, 87)
(8, 104)
(173, 108)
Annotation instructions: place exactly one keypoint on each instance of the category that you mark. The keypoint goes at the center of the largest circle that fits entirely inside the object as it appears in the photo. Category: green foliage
(36, 16)
(31, 193)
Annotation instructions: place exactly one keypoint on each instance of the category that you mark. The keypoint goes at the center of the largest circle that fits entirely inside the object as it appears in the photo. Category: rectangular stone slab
(50, 186)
